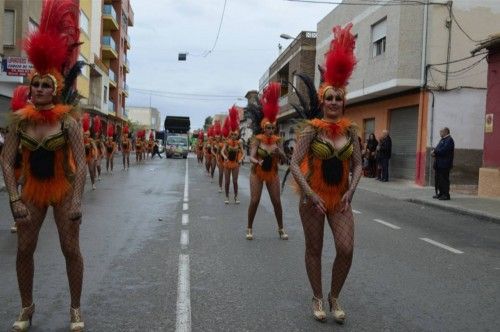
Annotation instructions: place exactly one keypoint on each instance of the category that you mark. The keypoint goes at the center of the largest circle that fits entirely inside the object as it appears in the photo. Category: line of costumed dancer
(326, 151)
(45, 126)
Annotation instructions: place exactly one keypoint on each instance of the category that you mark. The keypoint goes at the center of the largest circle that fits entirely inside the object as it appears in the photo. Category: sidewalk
(480, 207)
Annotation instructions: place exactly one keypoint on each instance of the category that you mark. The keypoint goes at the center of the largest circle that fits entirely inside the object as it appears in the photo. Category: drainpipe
(423, 77)
(431, 131)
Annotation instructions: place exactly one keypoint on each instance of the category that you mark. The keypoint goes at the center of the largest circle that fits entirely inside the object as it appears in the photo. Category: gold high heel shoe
(283, 235)
(337, 312)
(23, 322)
(249, 235)
(77, 324)
(318, 312)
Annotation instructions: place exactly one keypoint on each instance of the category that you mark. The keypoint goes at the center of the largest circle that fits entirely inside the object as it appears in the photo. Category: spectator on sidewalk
(443, 162)
(385, 151)
(371, 149)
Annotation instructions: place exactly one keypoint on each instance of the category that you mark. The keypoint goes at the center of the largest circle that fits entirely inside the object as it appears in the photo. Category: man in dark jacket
(443, 163)
(384, 154)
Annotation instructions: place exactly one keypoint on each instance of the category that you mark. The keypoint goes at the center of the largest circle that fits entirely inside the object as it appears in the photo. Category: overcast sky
(247, 45)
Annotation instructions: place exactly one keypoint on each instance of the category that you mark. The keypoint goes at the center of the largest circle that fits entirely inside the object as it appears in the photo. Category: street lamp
(286, 36)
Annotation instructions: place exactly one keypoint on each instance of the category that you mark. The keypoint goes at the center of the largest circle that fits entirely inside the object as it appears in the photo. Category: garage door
(403, 131)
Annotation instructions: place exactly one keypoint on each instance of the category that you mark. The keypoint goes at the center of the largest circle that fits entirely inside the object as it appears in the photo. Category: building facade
(147, 118)
(414, 76)
(17, 19)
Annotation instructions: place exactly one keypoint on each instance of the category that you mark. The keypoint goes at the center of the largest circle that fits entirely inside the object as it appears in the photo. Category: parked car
(177, 146)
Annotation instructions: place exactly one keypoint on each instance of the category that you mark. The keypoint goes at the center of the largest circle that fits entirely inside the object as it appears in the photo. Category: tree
(208, 122)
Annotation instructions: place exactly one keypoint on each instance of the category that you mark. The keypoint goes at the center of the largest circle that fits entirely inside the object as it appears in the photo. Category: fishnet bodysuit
(67, 215)
(341, 222)
(256, 185)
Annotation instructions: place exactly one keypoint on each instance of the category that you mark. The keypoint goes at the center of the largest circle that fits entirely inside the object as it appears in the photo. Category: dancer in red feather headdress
(232, 152)
(97, 128)
(53, 153)
(126, 145)
(139, 145)
(110, 146)
(90, 148)
(207, 150)
(199, 146)
(265, 155)
(326, 150)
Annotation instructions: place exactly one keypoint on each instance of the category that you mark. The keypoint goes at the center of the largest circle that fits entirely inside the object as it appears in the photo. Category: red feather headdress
(269, 101)
(234, 119)
(200, 135)
(97, 126)
(226, 127)
(110, 130)
(86, 122)
(19, 97)
(339, 61)
(217, 128)
(151, 135)
(210, 132)
(125, 129)
(53, 47)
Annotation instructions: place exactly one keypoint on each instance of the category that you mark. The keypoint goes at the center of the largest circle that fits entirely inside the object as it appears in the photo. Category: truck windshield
(177, 140)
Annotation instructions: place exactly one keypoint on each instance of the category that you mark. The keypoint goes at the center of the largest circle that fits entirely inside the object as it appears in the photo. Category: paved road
(155, 262)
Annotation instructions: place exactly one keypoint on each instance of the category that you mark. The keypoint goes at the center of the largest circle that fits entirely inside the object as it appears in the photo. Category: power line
(461, 29)
(368, 2)
(218, 30)
(183, 94)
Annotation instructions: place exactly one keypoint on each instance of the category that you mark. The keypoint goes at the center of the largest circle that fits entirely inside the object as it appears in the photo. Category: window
(379, 31)
(32, 25)
(84, 23)
(85, 68)
(294, 80)
(9, 28)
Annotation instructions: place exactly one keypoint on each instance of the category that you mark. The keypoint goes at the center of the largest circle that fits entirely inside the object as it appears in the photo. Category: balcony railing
(283, 100)
(109, 10)
(108, 41)
(113, 76)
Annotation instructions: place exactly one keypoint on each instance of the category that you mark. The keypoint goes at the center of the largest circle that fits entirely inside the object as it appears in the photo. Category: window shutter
(379, 30)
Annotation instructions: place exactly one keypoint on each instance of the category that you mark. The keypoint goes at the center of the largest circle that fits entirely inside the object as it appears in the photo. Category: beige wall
(479, 18)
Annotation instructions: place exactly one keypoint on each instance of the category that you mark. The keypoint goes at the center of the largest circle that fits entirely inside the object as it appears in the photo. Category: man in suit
(384, 153)
(443, 163)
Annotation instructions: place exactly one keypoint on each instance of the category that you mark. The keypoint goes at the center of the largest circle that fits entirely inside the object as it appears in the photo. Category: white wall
(462, 111)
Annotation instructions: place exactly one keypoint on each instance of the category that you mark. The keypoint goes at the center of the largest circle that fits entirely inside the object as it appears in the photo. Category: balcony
(113, 79)
(130, 16)
(125, 89)
(111, 107)
(109, 18)
(108, 48)
(127, 41)
(126, 65)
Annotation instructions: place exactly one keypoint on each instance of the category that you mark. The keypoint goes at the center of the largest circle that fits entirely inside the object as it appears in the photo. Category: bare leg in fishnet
(213, 164)
(27, 238)
(274, 193)
(313, 222)
(92, 168)
(98, 167)
(69, 233)
(234, 173)
(342, 225)
(221, 174)
(255, 192)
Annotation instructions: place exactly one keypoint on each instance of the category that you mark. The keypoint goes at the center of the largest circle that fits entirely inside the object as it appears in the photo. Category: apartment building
(19, 17)
(297, 58)
(147, 118)
(414, 76)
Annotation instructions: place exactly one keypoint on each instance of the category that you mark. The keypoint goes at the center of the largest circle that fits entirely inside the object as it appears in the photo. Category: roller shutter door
(403, 131)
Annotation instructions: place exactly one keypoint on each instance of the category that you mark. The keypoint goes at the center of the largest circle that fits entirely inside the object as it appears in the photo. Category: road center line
(184, 238)
(186, 183)
(356, 211)
(185, 206)
(185, 219)
(385, 223)
(442, 246)
(183, 322)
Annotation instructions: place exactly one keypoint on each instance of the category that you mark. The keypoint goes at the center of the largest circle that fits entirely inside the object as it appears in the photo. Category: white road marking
(356, 211)
(185, 219)
(440, 245)
(186, 183)
(185, 206)
(184, 238)
(183, 322)
(385, 223)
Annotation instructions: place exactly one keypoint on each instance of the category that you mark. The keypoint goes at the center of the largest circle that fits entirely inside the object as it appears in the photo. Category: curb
(460, 210)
